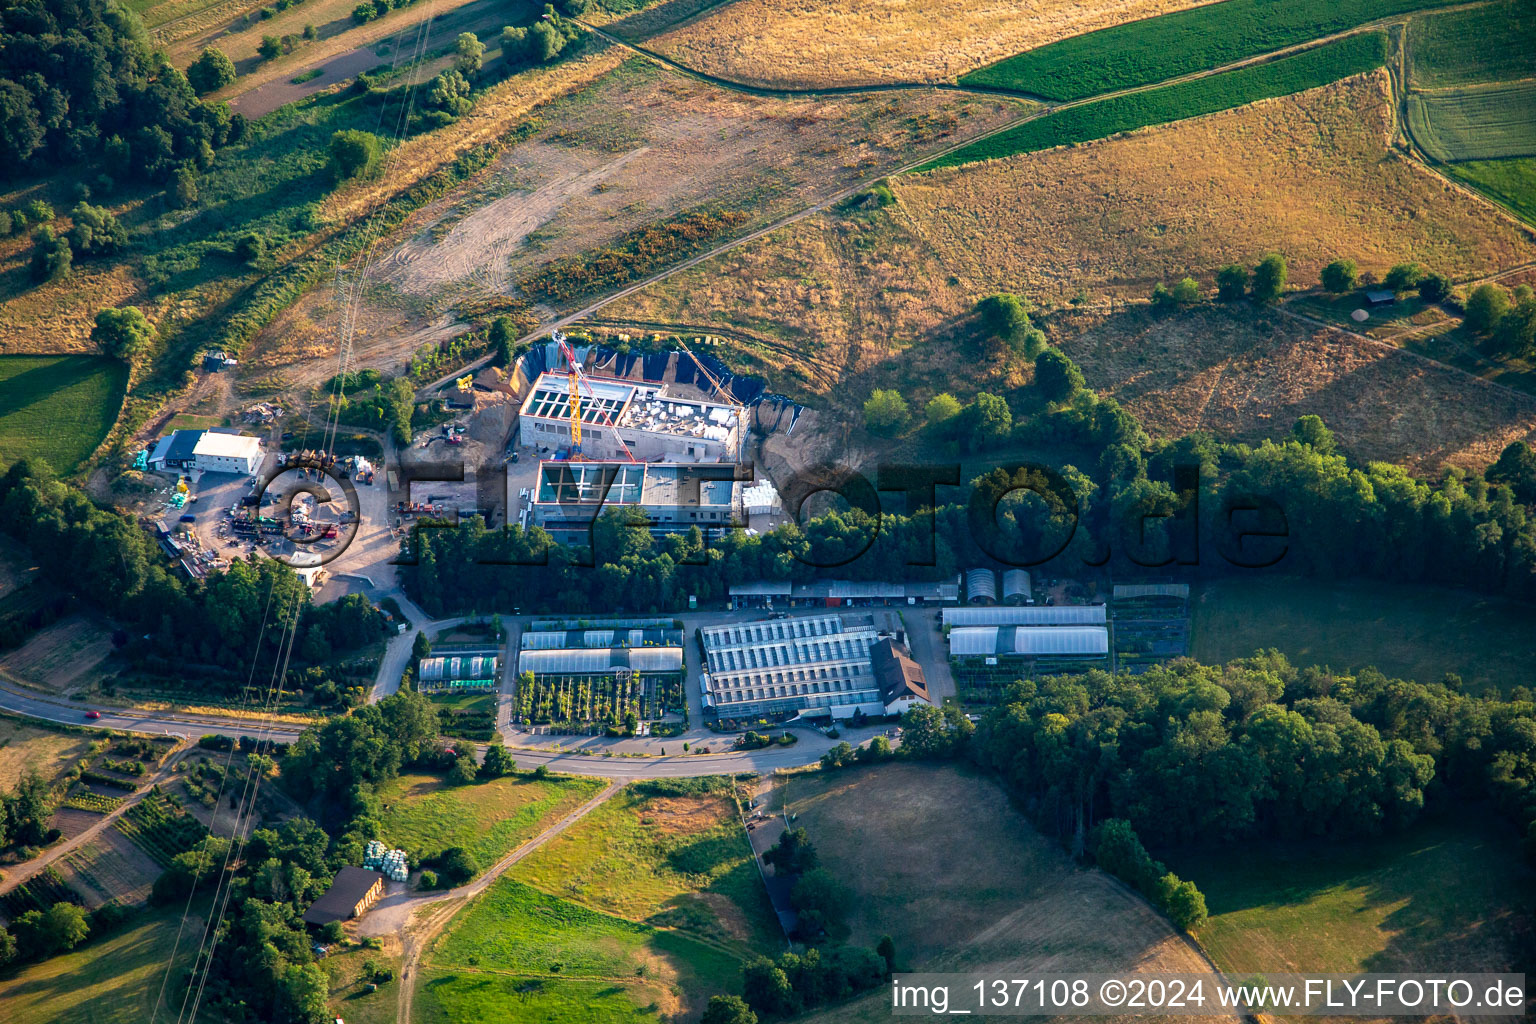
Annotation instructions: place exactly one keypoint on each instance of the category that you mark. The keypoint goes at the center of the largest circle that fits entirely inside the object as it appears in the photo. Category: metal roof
(1015, 584)
(1130, 590)
(980, 583)
(600, 660)
(1029, 641)
(1033, 615)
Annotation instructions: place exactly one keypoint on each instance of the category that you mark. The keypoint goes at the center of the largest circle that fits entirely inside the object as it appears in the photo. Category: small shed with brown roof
(352, 892)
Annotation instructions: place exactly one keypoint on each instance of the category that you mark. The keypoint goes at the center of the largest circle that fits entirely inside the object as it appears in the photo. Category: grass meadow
(23, 746)
(1448, 894)
(1182, 43)
(452, 996)
(1473, 46)
(661, 854)
(1407, 631)
(112, 981)
(517, 929)
(58, 408)
(1510, 182)
(424, 815)
(1349, 56)
(1490, 122)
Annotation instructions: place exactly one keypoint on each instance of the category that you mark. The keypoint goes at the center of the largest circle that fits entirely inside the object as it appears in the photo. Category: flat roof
(629, 404)
(230, 446)
(615, 482)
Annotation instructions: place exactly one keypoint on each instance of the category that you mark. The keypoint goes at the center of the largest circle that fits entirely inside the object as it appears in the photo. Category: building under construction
(621, 414)
(570, 495)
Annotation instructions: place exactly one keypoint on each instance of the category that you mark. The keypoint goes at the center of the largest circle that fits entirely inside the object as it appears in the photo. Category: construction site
(569, 430)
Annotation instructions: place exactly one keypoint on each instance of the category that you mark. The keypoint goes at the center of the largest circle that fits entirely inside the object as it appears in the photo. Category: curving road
(18, 701)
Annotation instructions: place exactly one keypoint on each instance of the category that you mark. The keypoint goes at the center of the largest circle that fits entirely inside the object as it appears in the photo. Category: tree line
(1257, 748)
(1191, 506)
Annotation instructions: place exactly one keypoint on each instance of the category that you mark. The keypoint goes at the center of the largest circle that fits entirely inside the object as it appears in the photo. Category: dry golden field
(836, 305)
(1311, 176)
(810, 43)
(1248, 377)
(641, 145)
(962, 882)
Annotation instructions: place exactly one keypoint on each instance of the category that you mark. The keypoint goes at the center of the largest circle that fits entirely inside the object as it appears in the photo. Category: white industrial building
(653, 425)
(210, 451)
(781, 668)
(570, 495)
(227, 453)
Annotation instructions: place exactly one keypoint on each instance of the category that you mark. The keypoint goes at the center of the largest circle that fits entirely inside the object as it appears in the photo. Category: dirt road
(399, 914)
(31, 868)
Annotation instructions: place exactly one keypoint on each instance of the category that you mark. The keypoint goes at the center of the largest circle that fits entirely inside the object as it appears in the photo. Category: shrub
(1231, 282)
(885, 412)
(1186, 292)
(456, 866)
(364, 12)
(51, 256)
(250, 247)
(1433, 287)
(941, 408)
(183, 190)
(1057, 377)
(1340, 277)
(212, 71)
(1269, 278)
(270, 47)
(428, 880)
(355, 154)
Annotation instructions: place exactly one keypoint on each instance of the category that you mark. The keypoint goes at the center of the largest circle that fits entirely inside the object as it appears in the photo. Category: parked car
(188, 517)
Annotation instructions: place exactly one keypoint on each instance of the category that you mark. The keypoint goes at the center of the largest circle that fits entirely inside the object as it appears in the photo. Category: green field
(1349, 56)
(58, 408)
(1446, 895)
(458, 996)
(546, 944)
(113, 981)
(424, 815)
(1511, 182)
(1157, 49)
(1473, 46)
(680, 861)
(1413, 632)
(1486, 123)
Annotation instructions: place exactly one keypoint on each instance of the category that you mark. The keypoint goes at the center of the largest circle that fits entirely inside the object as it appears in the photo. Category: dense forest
(81, 85)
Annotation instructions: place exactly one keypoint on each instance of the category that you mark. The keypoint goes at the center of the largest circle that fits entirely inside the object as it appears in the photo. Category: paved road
(612, 766)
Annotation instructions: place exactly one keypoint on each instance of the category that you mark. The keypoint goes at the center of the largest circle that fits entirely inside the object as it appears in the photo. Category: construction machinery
(725, 394)
(575, 381)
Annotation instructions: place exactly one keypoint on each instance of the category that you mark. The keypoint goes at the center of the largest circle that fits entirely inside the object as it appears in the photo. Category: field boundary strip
(1206, 94)
(1183, 42)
